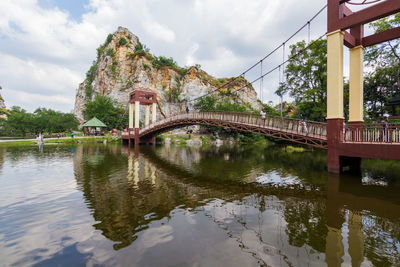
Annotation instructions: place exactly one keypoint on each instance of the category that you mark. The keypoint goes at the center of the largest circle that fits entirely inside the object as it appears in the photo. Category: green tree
(212, 103)
(306, 78)
(51, 121)
(19, 122)
(106, 110)
(206, 103)
(382, 80)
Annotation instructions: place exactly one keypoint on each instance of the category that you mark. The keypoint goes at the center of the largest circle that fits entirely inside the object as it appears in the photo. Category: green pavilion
(94, 126)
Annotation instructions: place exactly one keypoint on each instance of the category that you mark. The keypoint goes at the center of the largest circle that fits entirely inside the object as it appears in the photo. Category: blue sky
(46, 46)
(75, 8)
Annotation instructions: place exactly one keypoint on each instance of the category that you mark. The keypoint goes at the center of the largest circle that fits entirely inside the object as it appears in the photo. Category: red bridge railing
(310, 129)
(373, 133)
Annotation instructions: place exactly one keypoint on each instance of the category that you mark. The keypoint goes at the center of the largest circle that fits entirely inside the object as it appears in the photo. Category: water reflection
(272, 206)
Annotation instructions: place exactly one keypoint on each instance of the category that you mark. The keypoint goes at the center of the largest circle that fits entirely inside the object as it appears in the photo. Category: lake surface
(108, 205)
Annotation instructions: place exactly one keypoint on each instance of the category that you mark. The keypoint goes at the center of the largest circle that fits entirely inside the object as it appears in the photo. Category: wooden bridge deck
(310, 133)
(293, 130)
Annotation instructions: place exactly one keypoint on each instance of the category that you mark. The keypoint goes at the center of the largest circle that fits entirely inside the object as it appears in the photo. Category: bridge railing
(373, 133)
(314, 129)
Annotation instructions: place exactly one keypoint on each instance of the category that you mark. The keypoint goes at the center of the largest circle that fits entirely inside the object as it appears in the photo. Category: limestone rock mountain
(2, 104)
(123, 64)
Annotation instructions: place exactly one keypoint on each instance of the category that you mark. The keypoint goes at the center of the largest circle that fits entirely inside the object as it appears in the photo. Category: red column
(334, 135)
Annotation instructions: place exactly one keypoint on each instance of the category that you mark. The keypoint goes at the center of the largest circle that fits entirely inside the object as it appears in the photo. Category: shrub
(88, 91)
(109, 39)
(122, 41)
(110, 52)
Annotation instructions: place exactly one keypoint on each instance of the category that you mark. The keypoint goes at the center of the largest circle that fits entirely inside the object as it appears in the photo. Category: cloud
(45, 51)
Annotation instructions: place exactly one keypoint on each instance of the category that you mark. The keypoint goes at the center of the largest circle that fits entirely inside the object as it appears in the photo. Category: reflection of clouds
(260, 233)
(156, 236)
(367, 180)
(274, 178)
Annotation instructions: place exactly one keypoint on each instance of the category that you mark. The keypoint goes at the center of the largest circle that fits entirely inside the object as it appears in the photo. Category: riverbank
(61, 140)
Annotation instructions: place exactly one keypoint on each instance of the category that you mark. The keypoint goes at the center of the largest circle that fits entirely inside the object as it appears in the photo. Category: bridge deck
(311, 133)
(294, 130)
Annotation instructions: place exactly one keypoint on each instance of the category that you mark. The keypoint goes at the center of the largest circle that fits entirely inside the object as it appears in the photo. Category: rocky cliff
(123, 63)
(2, 104)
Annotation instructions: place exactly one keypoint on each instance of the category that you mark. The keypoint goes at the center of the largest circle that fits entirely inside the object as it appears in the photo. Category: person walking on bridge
(385, 125)
(303, 124)
(262, 113)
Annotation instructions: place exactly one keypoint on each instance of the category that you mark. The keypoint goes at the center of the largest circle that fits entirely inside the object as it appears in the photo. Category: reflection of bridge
(342, 195)
(123, 186)
(369, 141)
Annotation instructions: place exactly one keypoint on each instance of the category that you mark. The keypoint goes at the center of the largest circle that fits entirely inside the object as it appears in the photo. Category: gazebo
(94, 127)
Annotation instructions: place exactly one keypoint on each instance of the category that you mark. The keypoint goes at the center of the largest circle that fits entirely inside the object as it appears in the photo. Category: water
(181, 206)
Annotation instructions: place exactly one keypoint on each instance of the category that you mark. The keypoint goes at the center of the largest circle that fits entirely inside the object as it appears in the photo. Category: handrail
(373, 133)
(296, 126)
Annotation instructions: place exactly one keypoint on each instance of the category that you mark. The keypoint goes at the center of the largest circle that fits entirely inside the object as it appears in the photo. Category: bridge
(293, 130)
(346, 144)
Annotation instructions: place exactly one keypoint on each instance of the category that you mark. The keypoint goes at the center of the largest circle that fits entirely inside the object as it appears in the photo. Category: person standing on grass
(72, 134)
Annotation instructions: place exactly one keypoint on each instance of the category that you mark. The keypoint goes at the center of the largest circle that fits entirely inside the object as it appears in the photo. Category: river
(247, 205)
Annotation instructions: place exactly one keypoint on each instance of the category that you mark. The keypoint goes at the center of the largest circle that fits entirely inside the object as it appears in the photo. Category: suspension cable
(261, 82)
(233, 79)
(277, 67)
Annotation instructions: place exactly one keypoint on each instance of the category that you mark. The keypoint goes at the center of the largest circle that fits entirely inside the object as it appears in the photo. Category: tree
(106, 110)
(206, 103)
(306, 78)
(212, 103)
(48, 120)
(19, 122)
(382, 81)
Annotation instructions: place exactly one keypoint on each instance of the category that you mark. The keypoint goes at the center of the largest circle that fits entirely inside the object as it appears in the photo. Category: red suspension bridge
(346, 144)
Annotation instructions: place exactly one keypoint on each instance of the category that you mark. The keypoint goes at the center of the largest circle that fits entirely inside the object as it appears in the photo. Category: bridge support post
(140, 96)
(356, 103)
(131, 109)
(153, 113)
(334, 130)
(137, 118)
(356, 106)
(147, 116)
(335, 99)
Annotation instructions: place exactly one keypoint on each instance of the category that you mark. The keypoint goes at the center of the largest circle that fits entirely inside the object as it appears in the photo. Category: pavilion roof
(94, 122)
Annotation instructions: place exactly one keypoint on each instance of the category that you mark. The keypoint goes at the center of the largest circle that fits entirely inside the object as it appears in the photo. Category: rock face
(124, 64)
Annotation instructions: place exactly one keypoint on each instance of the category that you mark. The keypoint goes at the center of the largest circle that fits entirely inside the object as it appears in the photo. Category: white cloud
(45, 52)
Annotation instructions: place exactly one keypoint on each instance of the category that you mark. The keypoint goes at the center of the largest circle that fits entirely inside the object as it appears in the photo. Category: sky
(46, 46)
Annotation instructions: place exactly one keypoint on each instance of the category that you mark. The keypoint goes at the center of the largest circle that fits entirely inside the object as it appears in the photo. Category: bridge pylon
(346, 28)
(146, 97)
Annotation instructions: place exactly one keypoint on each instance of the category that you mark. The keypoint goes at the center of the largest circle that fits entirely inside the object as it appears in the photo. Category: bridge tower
(146, 97)
(345, 28)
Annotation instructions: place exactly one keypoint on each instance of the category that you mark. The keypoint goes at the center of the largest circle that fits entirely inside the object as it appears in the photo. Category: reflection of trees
(235, 164)
(306, 223)
(381, 237)
(125, 200)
